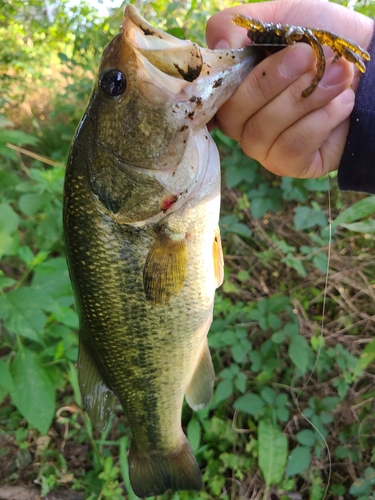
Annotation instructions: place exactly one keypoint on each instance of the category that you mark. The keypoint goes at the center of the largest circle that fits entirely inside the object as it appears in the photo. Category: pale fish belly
(177, 331)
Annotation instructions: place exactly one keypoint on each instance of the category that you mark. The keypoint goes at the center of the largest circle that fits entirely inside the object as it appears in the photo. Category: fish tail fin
(152, 473)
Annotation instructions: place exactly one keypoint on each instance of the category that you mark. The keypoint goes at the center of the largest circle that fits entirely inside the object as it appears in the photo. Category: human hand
(290, 135)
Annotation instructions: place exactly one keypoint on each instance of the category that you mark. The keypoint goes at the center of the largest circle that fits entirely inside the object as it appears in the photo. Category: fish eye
(113, 83)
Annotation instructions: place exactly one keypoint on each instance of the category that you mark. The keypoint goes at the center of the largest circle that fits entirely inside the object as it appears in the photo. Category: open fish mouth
(178, 58)
(182, 59)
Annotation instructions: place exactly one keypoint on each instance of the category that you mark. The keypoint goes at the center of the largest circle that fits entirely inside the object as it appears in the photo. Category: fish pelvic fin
(165, 267)
(200, 390)
(98, 401)
(217, 252)
(153, 473)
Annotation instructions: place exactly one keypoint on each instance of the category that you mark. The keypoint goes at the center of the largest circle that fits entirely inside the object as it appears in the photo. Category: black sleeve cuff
(357, 167)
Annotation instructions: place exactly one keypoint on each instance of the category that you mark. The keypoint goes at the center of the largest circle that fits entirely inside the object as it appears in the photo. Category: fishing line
(321, 340)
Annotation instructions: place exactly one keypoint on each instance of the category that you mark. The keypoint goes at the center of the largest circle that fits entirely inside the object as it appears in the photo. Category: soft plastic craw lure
(275, 35)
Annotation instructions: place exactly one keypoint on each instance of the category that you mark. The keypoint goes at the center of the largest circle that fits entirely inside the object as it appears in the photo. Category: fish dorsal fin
(217, 251)
(98, 401)
(166, 267)
(200, 390)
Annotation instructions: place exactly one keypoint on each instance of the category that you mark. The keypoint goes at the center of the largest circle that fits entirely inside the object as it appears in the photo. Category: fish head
(153, 90)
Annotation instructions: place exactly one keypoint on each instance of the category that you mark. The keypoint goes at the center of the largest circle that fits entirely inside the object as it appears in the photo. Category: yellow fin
(155, 472)
(218, 258)
(165, 268)
(200, 390)
(98, 401)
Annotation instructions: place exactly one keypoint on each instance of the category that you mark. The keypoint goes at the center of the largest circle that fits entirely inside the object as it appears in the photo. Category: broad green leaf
(366, 226)
(52, 276)
(299, 351)
(278, 338)
(33, 391)
(243, 275)
(291, 329)
(249, 403)
(5, 376)
(229, 287)
(330, 403)
(25, 253)
(278, 303)
(194, 433)
(281, 399)
(298, 460)
(17, 137)
(256, 359)
(31, 203)
(238, 353)
(282, 414)
(306, 437)
(292, 261)
(231, 224)
(241, 381)
(367, 356)
(306, 218)
(291, 191)
(284, 247)
(321, 184)
(320, 261)
(268, 394)
(5, 281)
(223, 390)
(234, 175)
(3, 393)
(9, 222)
(67, 316)
(358, 211)
(21, 315)
(261, 205)
(240, 229)
(342, 387)
(361, 487)
(272, 451)
(274, 321)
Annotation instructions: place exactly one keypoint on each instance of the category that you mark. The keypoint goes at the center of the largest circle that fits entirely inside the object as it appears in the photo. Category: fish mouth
(178, 58)
(188, 70)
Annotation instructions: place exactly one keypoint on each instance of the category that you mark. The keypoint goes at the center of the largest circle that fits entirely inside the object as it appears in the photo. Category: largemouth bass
(141, 209)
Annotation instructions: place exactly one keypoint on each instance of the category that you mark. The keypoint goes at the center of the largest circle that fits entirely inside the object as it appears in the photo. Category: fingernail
(333, 75)
(296, 61)
(222, 45)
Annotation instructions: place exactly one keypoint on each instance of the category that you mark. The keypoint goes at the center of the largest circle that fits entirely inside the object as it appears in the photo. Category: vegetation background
(293, 411)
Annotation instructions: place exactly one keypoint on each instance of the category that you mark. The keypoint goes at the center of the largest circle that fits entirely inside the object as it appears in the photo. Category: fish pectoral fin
(217, 251)
(98, 401)
(153, 473)
(200, 390)
(165, 268)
